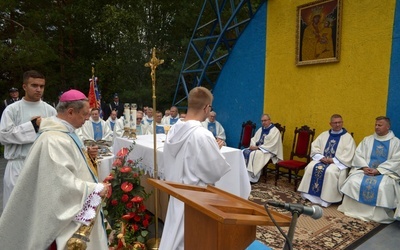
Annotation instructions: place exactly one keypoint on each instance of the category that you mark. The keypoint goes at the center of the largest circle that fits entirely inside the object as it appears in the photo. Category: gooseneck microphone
(314, 211)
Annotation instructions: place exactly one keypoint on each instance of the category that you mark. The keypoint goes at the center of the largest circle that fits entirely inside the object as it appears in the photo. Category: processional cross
(152, 64)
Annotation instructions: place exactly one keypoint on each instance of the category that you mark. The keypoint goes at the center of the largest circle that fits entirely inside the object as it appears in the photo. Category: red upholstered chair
(301, 148)
(248, 130)
(281, 129)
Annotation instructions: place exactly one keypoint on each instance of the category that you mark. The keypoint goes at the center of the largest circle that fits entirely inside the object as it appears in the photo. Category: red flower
(114, 202)
(142, 208)
(122, 152)
(124, 198)
(128, 216)
(108, 178)
(117, 162)
(130, 162)
(135, 227)
(109, 192)
(135, 175)
(145, 223)
(125, 169)
(129, 205)
(137, 199)
(137, 218)
(126, 187)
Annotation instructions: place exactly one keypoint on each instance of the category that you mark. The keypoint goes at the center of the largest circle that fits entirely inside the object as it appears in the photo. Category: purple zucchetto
(72, 95)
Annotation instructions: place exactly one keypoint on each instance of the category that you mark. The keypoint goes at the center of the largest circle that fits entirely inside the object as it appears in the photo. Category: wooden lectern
(215, 219)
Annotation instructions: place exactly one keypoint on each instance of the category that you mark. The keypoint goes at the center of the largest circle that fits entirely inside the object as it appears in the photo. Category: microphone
(314, 211)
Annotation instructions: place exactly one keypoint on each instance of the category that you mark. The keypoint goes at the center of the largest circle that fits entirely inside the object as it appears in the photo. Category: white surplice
(220, 131)
(335, 173)
(191, 156)
(86, 131)
(272, 150)
(52, 190)
(17, 134)
(388, 196)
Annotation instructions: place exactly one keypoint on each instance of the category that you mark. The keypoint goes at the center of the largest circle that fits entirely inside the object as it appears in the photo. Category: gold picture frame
(318, 32)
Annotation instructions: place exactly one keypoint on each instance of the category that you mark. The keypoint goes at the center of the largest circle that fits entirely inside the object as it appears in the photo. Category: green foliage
(62, 39)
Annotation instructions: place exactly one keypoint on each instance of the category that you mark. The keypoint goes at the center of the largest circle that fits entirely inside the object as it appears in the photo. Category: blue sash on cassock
(213, 128)
(160, 130)
(318, 174)
(370, 184)
(97, 131)
(149, 121)
(139, 130)
(264, 133)
(112, 125)
(172, 121)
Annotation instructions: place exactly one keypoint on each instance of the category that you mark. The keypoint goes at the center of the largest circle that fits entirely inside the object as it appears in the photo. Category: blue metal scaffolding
(217, 29)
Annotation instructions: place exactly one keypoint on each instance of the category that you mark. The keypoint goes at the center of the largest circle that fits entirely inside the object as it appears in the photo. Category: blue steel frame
(211, 43)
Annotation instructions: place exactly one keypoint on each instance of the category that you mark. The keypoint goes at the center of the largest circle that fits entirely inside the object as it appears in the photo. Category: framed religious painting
(318, 32)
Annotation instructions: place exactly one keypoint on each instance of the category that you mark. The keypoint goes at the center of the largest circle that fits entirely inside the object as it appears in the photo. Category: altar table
(236, 181)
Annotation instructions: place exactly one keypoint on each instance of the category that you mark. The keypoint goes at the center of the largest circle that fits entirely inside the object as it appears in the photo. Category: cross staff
(152, 64)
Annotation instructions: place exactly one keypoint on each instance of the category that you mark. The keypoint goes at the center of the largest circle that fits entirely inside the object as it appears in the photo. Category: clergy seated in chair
(372, 190)
(215, 127)
(265, 145)
(331, 153)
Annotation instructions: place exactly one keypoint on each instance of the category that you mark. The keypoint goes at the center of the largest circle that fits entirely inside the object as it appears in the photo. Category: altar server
(191, 156)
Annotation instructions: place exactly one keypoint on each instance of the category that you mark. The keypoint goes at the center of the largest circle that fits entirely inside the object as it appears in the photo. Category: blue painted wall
(393, 105)
(239, 92)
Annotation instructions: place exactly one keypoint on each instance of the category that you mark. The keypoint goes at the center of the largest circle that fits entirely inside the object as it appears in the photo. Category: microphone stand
(292, 228)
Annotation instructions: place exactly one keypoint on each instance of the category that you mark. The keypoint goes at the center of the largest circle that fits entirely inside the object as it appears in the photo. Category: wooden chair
(282, 130)
(248, 130)
(301, 148)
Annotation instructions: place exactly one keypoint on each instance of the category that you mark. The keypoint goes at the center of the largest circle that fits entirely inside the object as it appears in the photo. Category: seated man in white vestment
(95, 128)
(148, 117)
(191, 156)
(172, 118)
(19, 126)
(265, 145)
(372, 190)
(141, 129)
(332, 153)
(159, 126)
(112, 120)
(215, 127)
(58, 192)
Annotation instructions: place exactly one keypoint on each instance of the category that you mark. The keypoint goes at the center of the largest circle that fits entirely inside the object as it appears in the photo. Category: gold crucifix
(154, 62)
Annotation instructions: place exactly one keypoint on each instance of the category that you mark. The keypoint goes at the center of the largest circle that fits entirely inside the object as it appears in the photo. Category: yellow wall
(356, 87)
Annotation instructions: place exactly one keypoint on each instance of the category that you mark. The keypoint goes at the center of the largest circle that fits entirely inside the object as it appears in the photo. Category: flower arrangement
(124, 208)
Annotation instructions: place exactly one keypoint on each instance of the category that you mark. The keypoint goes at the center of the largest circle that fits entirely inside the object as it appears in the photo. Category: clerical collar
(336, 132)
(94, 120)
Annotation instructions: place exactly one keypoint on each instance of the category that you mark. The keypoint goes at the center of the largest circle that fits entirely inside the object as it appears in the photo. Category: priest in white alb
(372, 190)
(215, 127)
(332, 153)
(95, 128)
(265, 145)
